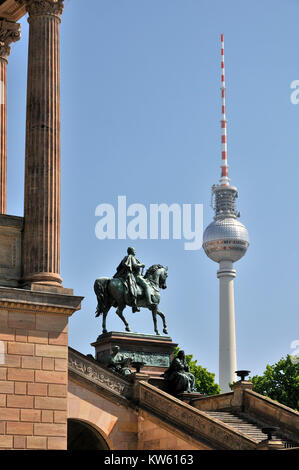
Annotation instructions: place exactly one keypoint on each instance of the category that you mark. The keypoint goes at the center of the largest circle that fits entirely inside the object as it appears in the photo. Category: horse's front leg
(105, 312)
(119, 312)
(161, 314)
(154, 314)
(104, 329)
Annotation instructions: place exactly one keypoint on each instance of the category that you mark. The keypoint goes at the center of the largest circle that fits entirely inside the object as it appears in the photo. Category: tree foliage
(205, 380)
(280, 382)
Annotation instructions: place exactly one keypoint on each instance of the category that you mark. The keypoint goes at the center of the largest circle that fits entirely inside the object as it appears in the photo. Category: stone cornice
(30, 301)
(92, 371)
(9, 32)
(42, 7)
(11, 10)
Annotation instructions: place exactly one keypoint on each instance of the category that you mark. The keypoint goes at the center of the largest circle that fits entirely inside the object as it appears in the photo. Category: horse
(114, 292)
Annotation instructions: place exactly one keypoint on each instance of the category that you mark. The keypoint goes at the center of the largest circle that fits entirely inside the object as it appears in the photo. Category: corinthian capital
(9, 32)
(43, 7)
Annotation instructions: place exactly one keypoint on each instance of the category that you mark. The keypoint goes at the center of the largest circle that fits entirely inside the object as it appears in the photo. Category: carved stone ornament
(43, 7)
(98, 375)
(149, 358)
(9, 32)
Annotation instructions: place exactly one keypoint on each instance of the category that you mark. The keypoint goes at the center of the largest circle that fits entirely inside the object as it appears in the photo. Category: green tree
(280, 382)
(205, 380)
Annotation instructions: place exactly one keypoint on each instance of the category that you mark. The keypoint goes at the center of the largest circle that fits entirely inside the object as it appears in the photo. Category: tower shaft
(227, 333)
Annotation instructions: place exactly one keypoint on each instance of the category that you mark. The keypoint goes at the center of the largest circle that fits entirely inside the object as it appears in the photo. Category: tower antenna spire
(224, 180)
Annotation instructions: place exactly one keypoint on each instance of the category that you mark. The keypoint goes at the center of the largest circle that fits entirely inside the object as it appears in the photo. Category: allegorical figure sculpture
(120, 365)
(179, 377)
(129, 288)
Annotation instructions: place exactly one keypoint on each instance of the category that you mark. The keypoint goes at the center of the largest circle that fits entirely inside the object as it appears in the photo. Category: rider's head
(131, 251)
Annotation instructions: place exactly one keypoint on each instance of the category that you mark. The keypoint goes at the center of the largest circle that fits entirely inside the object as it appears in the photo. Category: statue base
(154, 350)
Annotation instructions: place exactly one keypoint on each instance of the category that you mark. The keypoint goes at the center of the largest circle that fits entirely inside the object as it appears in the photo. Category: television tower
(225, 241)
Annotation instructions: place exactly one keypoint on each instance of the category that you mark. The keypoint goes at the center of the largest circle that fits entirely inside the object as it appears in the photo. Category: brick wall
(33, 379)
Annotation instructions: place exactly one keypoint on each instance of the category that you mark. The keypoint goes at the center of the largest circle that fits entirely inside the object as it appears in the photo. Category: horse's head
(163, 277)
(158, 274)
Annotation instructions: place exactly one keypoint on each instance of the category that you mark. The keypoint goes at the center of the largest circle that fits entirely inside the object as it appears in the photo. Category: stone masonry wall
(33, 379)
(116, 422)
(152, 436)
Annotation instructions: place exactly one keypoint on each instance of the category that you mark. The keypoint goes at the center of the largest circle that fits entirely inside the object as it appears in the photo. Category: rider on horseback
(129, 272)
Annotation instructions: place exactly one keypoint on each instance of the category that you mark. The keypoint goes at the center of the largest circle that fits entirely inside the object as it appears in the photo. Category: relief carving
(98, 376)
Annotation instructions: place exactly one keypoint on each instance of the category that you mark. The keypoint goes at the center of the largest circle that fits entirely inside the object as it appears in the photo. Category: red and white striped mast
(224, 180)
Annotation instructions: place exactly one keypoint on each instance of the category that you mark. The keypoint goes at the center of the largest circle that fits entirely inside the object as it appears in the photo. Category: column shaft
(3, 136)
(42, 166)
(9, 32)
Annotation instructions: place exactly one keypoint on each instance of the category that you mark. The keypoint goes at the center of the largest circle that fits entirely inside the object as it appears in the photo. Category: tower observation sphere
(226, 238)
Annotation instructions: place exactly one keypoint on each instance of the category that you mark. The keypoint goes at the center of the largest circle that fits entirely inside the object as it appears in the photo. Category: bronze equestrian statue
(129, 288)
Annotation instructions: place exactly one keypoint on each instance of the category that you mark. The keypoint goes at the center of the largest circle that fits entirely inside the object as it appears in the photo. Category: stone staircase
(243, 423)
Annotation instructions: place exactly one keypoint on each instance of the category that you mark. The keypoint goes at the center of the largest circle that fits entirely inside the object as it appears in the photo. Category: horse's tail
(101, 291)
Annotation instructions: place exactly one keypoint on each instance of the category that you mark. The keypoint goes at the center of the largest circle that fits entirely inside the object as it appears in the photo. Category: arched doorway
(82, 436)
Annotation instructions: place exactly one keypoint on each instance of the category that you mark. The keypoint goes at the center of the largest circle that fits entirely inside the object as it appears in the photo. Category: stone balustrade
(214, 402)
(275, 413)
(191, 420)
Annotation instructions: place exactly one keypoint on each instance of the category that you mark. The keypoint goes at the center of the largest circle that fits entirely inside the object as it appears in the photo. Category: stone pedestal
(238, 389)
(155, 351)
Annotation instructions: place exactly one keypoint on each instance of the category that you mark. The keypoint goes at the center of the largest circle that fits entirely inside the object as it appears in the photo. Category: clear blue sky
(140, 117)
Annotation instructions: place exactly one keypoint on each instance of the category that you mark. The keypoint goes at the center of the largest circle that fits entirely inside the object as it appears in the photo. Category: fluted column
(42, 166)
(9, 32)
